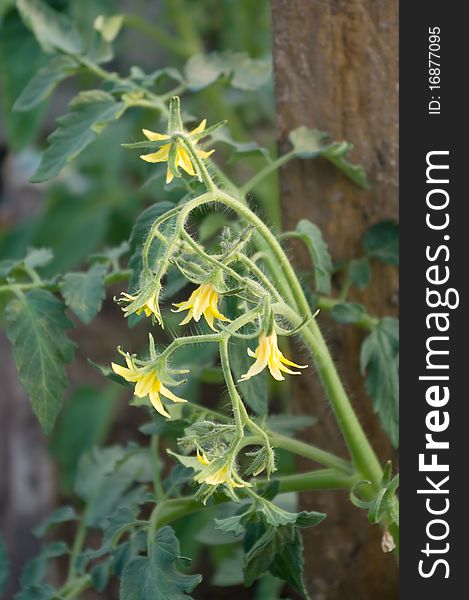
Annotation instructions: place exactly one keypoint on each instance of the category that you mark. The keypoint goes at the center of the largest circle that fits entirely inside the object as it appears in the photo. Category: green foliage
(83, 424)
(20, 57)
(244, 73)
(4, 565)
(382, 242)
(359, 271)
(379, 359)
(44, 82)
(53, 30)
(311, 143)
(90, 112)
(36, 324)
(322, 262)
(348, 312)
(104, 479)
(156, 577)
(62, 514)
(84, 292)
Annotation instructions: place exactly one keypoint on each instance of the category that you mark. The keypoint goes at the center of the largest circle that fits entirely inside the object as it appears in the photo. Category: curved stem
(355, 438)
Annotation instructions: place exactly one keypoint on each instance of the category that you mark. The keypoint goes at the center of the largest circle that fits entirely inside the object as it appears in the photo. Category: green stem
(263, 173)
(77, 546)
(355, 438)
(309, 451)
(172, 510)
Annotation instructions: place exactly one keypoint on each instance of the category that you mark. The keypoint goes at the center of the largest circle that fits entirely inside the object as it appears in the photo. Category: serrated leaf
(379, 359)
(35, 326)
(44, 82)
(53, 30)
(249, 74)
(38, 257)
(311, 143)
(359, 271)
(84, 292)
(322, 262)
(90, 112)
(104, 479)
(155, 577)
(201, 70)
(382, 242)
(254, 390)
(245, 73)
(306, 142)
(59, 515)
(4, 565)
(348, 312)
(139, 235)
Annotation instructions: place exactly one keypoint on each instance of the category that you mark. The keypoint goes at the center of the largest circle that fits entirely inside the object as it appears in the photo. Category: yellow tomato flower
(202, 301)
(183, 159)
(222, 475)
(146, 384)
(267, 354)
(150, 307)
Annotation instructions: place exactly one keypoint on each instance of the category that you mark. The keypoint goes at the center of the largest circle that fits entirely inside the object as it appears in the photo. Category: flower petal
(153, 136)
(161, 155)
(169, 394)
(183, 160)
(157, 404)
(127, 374)
(199, 128)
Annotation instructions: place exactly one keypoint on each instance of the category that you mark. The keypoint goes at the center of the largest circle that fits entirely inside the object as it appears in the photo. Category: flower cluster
(216, 276)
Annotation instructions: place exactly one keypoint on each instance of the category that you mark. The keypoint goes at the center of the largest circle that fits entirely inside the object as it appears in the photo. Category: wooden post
(335, 64)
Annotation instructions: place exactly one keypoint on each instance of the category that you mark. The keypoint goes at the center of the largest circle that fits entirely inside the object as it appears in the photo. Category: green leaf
(139, 235)
(254, 390)
(45, 81)
(91, 112)
(155, 577)
(307, 143)
(379, 359)
(84, 292)
(245, 73)
(288, 564)
(311, 143)
(382, 242)
(38, 257)
(59, 515)
(359, 271)
(4, 565)
(210, 225)
(249, 74)
(348, 312)
(322, 262)
(36, 324)
(201, 70)
(20, 57)
(84, 423)
(104, 478)
(53, 30)
(109, 27)
(335, 153)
